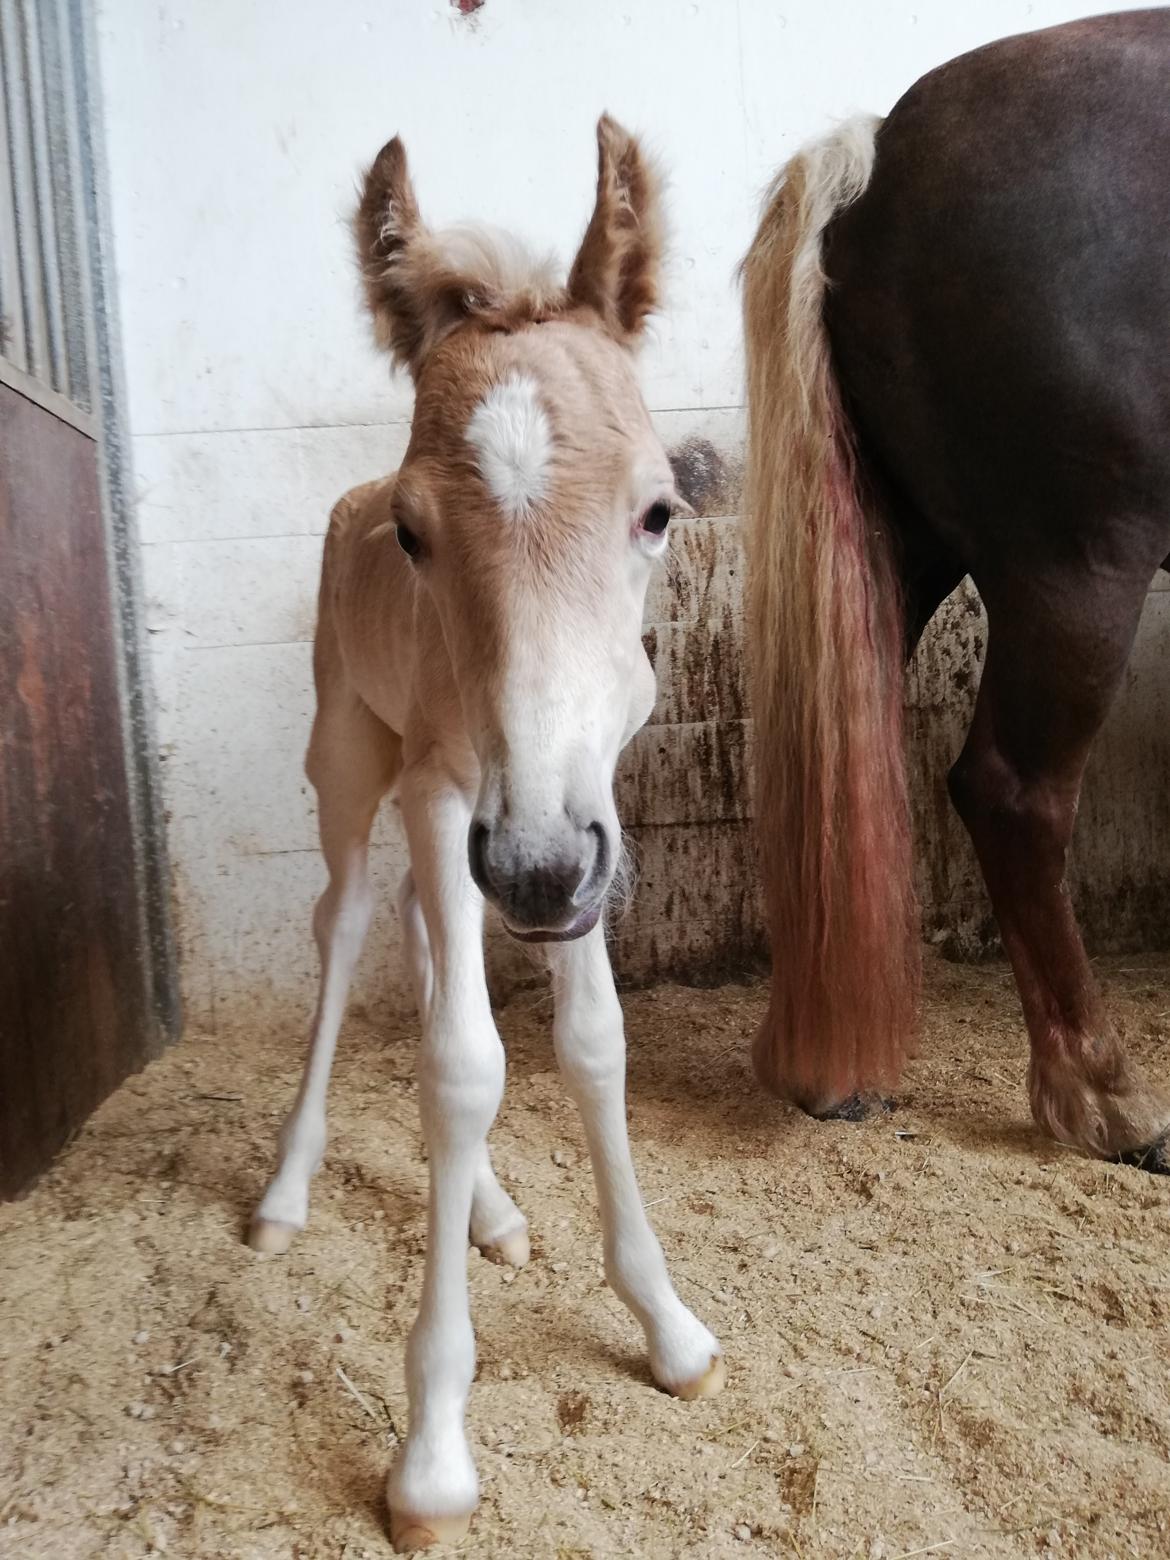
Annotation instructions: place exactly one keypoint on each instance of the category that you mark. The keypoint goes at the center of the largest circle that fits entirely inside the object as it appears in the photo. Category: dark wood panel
(74, 1016)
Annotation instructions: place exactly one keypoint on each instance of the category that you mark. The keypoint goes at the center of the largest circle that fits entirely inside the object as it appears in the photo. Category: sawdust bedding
(944, 1334)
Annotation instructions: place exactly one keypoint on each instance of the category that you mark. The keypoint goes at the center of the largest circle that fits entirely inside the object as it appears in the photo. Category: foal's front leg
(591, 1050)
(433, 1488)
(498, 1228)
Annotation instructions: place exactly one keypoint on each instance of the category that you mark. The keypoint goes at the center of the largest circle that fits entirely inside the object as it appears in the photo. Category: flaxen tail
(825, 637)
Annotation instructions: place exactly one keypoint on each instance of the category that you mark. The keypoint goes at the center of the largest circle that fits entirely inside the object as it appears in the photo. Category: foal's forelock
(470, 273)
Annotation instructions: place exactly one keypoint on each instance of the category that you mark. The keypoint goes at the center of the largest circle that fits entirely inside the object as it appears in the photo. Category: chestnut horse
(479, 654)
(958, 338)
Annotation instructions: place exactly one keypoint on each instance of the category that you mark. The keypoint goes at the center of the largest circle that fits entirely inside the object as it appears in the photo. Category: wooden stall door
(74, 1016)
(87, 989)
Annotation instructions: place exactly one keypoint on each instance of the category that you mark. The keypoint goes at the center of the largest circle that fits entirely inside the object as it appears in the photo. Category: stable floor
(944, 1335)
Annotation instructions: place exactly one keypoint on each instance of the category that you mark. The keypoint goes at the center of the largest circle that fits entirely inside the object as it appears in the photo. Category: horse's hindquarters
(999, 304)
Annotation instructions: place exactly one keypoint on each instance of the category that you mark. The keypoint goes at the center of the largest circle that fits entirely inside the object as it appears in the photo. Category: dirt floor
(944, 1334)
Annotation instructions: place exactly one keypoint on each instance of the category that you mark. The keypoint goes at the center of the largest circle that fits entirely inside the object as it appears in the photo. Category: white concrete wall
(236, 129)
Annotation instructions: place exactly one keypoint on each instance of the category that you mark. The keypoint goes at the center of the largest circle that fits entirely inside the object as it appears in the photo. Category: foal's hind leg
(1054, 663)
(353, 759)
(498, 1227)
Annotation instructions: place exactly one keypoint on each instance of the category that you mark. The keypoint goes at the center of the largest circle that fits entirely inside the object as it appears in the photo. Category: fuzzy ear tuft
(617, 269)
(421, 285)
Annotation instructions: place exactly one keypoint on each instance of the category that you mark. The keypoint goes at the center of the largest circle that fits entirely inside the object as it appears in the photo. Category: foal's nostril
(477, 843)
(596, 871)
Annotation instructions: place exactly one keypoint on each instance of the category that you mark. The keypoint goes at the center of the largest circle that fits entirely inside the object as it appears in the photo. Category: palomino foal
(478, 651)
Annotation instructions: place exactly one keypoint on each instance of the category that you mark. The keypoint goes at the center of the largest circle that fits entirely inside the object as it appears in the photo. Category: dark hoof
(1155, 1158)
(858, 1107)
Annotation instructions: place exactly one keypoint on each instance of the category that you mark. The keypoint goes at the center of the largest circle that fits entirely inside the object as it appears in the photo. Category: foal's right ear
(616, 272)
(411, 305)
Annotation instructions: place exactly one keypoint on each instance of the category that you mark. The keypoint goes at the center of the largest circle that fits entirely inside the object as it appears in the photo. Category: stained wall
(236, 132)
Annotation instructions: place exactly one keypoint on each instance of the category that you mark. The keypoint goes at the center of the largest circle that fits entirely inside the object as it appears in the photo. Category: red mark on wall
(467, 7)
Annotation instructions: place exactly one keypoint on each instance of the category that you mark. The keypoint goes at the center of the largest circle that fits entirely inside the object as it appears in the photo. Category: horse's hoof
(409, 1534)
(1155, 1158)
(512, 1249)
(857, 1107)
(708, 1385)
(271, 1237)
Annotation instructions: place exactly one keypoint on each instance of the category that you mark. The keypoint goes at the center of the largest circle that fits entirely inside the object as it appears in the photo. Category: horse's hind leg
(1056, 653)
(352, 762)
(498, 1227)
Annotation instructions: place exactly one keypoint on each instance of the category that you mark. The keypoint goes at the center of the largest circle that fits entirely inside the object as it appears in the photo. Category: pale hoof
(708, 1385)
(512, 1250)
(271, 1237)
(409, 1534)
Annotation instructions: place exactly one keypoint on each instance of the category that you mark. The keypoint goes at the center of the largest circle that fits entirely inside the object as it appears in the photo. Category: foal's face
(534, 501)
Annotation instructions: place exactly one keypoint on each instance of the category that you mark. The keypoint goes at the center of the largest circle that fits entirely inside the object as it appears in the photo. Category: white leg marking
(432, 1488)
(340, 923)
(498, 1227)
(417, 947)
(351, 762)
(590, 1043)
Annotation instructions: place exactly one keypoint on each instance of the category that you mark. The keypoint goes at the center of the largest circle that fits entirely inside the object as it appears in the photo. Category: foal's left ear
(391, 240)
(616, 272)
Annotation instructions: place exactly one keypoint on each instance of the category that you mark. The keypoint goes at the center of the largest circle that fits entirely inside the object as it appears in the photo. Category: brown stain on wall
(709, 479)
(682, 789)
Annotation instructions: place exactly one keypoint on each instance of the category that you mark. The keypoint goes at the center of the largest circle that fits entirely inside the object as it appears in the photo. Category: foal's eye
(408, 541)
(656, 519)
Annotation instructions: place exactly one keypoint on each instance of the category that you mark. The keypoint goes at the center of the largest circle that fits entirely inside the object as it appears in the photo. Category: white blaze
(509, 431)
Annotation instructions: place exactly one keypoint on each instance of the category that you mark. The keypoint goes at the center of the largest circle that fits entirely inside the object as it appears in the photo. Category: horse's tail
(825, 637)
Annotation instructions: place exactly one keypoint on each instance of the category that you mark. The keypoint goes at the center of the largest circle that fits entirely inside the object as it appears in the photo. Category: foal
(478, 651)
